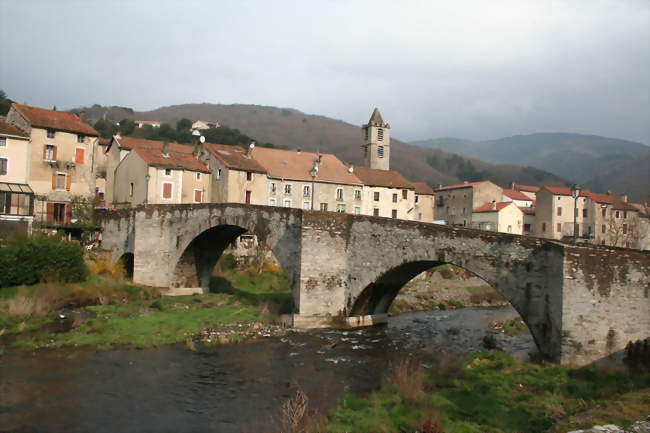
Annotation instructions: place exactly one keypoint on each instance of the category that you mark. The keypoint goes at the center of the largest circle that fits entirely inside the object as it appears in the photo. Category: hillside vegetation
(296, 130)
(598, 163)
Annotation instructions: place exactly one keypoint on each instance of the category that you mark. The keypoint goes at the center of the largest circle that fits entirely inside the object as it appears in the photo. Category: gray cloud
(471, 69)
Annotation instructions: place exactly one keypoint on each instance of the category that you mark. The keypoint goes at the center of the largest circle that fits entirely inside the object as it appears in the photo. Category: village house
(162, 173)
(504, 217)
(386, 193)
(424, 202)
(61, 160)
(236, 176)
(143, 123)
(456, 203)
(529, 191)
(16, 196)
(204, 124)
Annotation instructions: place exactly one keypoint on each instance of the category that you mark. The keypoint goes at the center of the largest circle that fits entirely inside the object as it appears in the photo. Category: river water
(229, 388)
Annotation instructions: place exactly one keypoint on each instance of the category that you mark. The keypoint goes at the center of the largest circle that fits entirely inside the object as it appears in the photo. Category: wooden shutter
(197, 196)
(167, 190)
(68, 181)
(79, 156)
(54, 154)
(44, 152)
(50, 212)
(53, 181)
(68, 213)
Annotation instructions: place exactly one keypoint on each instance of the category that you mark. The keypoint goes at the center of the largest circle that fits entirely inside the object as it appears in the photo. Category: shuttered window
(167, 191)
(79, 155)
(198, 196)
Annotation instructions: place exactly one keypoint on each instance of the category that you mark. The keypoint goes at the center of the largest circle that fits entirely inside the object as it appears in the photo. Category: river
(228, 388)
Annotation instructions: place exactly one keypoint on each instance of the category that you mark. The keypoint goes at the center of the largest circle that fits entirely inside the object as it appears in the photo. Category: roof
(488, 207)
(179, 158)
(385, 178)
(104, 141)
(461, 185)
(8, 129)
(516, 195)
(528, 188)
(50, 119)
(376, 119)
(292, 164)
(133, 142)
(527, 210)
(422, 188)
(562, 190)
(616, 203)
(234, 157)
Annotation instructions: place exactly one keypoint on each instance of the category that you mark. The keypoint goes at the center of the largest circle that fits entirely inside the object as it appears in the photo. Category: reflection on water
(231, 388)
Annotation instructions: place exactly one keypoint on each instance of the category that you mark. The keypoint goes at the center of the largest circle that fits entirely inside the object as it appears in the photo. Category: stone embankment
(445, 287)
(637, 427)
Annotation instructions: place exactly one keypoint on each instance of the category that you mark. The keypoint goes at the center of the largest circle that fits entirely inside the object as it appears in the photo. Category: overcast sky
(472, 69)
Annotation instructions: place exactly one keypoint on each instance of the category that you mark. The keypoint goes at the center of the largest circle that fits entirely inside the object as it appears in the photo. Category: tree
(126, 127)
(5, 103)
(105, 128)
(183, 125)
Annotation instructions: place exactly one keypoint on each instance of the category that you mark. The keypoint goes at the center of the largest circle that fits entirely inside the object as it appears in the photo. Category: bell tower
(376, 142)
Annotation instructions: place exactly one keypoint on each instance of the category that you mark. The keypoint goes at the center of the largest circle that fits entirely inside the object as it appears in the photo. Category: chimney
(624, 197)
(249, 151)
(165, 149)
(465, 181)
(512, 185)
(351, 169)
(298, 150)
(439, 186)
(494, 205)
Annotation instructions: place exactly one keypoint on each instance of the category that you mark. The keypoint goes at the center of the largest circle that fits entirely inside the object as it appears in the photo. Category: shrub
(34, 260)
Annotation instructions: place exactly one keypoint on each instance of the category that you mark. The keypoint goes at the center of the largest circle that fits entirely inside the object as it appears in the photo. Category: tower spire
(376, 144)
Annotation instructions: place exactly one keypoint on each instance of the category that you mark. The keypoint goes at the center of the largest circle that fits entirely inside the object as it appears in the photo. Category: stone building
(376, 142)
(163, 173)
(16, 196)
(61, 160)
(386, 193)
(504, 217)
(424, 202)
(455, 203)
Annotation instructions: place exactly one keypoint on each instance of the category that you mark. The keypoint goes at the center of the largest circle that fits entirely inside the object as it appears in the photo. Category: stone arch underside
(522, 275)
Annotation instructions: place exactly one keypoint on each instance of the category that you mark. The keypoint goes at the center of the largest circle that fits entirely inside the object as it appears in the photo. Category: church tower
(376, 142)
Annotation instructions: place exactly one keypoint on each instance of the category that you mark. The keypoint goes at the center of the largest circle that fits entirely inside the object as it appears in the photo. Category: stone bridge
(581, 303)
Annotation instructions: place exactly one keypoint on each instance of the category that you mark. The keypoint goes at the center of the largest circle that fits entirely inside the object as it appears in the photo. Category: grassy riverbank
(106, 311)
(491, 392)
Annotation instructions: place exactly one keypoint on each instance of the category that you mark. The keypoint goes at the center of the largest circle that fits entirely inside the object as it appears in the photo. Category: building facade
(455, 203)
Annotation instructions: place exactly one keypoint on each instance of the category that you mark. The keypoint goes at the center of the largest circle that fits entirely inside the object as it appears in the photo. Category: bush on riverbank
(39, 259)
(489, 392)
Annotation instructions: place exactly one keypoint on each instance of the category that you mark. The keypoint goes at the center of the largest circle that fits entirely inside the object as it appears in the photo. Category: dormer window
(50, 133)
(380, 134)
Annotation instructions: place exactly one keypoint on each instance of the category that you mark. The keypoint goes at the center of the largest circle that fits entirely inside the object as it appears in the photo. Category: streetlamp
(575, 192)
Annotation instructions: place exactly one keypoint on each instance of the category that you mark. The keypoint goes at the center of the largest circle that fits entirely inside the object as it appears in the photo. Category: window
(584, 212)
(249, 175)
(380, 134)
(58, 214)
(380, 151)
(80, 138)
(273, 188)
(604, 212)
(624, 229)
(3, 166)
(323, 207)
(49, 152)
(287, 202)
(627, 244)
(167, 191)
(603, 229)
(287, 188)
(357, 194)
(417, 199)
(543, 227)
(376, 196)
(3, 141)
(558, 227)
(375, 212)
(394, 198)
(306, 191)
(168, 172)
(272, 202)
(249, 195)
(405, 194)
(526, 228)
(357, 210)
(198, 196)
(79, 155)
(60, 180)
(5, 202)
(509, 229)
(339, 194)
(198, 176)
(393, 213)
(218, 174)
(306, 205)
(618, 214)
(559, 211)
(340, 208)
(50, 133)
(131, 189)
(624, 214)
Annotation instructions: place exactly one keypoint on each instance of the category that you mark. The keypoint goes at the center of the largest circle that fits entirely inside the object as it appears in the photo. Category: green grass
(490, 393)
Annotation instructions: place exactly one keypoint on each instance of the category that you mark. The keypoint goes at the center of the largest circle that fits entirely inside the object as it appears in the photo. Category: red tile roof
(561, 190)
(59, 120)
(528, 210)
(8, 129)
(385, 178)
(180, 157)
(291, 164)
(527, 188)
(461, 185)
(487, 207)
(234, 157)
(422, 188)
(618, 204)
(516, 195)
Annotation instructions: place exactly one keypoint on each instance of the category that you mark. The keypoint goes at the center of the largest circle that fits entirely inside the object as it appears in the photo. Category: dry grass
(26, 305)
(103, 267)
(297, 418)
(408, 378)
(431, 422)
